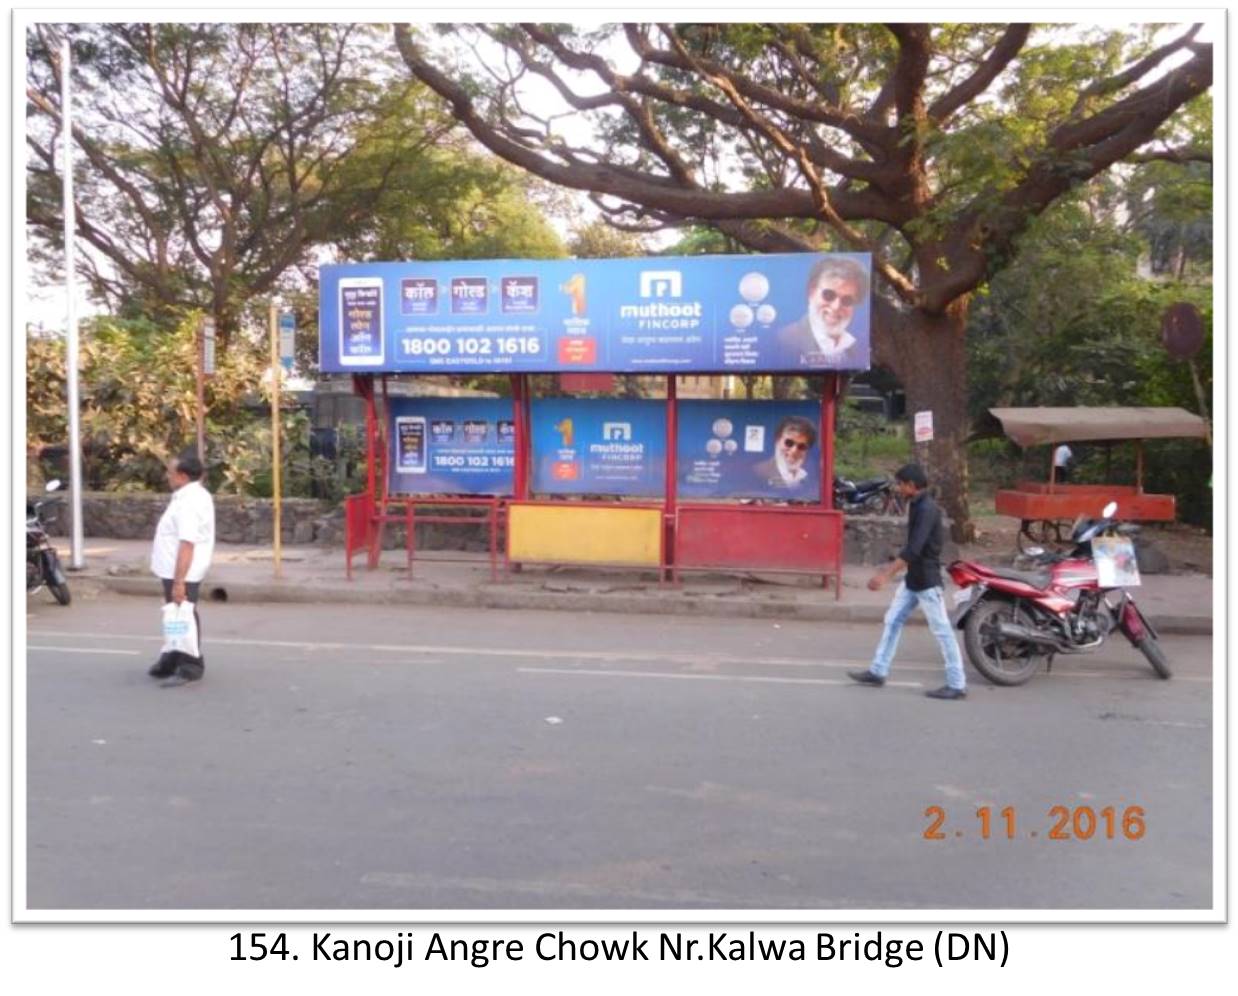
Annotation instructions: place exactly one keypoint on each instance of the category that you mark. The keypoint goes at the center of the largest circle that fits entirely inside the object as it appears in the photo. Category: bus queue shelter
(719, 491)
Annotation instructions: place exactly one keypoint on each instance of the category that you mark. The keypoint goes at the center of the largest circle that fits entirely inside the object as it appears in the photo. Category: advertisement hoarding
(789, 313)
(749, 449)
(587, 446)
(451, 446)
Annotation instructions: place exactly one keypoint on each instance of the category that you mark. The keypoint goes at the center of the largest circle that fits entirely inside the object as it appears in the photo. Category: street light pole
(77, 559)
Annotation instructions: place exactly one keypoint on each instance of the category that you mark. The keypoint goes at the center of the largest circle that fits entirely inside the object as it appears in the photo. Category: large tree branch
(857, 127)
(1003, 53)
(1187, 154)
(658, 193)
(99, 160)
(1077, 152)
(1135, 72)
(795, 152)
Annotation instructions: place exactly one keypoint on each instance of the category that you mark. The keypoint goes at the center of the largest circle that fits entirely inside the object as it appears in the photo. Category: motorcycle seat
(1037, 579)
(871, 485)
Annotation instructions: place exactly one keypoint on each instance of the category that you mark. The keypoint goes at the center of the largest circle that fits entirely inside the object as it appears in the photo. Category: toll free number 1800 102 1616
(511, 345)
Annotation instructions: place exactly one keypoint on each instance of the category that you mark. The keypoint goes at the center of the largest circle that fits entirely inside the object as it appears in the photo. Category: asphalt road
(408, 758)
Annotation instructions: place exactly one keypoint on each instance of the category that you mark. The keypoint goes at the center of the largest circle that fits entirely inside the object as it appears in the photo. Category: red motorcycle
(1015, 621)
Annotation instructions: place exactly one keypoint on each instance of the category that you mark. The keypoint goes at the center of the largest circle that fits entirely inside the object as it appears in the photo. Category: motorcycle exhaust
(1013, 631)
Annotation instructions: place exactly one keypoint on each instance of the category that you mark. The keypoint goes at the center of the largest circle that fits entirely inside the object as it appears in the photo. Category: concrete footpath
(1178, 603)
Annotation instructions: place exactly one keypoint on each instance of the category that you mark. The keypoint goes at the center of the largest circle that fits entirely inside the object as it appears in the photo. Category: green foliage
(449, 203)
(1071, 323)
(598, 240)
(139, 404)
(866, 445)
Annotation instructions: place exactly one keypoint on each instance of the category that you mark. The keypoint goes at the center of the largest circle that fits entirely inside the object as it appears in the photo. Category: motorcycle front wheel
(1155, 655)
(1002, 660)
(54, 576)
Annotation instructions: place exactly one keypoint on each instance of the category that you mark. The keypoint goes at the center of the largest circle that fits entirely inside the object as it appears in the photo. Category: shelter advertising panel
(793, 313)
(602, 447)
(749, 449)
(451, 446)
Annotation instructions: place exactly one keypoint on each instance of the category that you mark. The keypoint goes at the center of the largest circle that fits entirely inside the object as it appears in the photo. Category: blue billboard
(451, 446)
(584, 446)
(787, 313)
(749, 449)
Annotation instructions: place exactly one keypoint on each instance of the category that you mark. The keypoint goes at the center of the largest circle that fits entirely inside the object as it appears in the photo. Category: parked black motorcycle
(872, 497)
(42, 564)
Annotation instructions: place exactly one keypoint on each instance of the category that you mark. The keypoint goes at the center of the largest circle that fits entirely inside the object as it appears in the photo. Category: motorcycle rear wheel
(1002, 660)
(1155, 655)
(874, 504)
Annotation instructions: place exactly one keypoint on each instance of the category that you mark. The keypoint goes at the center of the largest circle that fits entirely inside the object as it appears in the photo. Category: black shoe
(866, 678)
(161, 670)
(178, 679)
(946, 692)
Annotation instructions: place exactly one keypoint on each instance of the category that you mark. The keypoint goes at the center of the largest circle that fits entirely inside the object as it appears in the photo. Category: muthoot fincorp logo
(662, 313)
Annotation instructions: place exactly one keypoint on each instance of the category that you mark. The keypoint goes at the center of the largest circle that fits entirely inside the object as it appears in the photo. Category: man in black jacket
(921, 559)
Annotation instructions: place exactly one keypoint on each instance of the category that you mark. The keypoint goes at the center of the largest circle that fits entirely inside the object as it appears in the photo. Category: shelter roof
(1035, 426)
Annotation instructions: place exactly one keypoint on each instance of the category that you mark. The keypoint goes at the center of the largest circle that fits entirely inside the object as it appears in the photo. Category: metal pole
(77, 559)
(201, 335)
(275, 433)
(1203, 399)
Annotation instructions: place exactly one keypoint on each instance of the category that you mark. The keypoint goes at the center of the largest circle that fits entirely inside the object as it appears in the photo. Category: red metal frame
(672, 471)
(1038, 500)
(786, 539)
(489, 505)
(801, 539)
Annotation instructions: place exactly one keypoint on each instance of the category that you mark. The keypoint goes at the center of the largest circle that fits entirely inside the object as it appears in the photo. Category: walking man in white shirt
(181, 556)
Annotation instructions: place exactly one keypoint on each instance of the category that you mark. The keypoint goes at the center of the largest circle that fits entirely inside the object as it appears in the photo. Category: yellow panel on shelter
(584, 534)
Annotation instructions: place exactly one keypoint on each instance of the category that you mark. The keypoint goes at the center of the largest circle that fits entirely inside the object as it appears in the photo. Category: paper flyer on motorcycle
(1116, 563)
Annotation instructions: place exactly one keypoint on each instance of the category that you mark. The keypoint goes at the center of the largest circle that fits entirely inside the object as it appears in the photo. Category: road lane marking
(694, 660)
(704, 677)
(86, 650)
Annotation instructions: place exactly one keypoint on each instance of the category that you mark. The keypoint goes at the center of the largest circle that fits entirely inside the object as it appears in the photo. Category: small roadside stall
(1046, 508)
(658, 484)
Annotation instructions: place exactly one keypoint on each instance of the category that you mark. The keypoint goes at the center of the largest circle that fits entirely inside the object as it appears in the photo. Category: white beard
(830, 338)
(786, 472)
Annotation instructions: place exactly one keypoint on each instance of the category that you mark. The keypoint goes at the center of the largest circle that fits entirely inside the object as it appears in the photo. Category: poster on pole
(208, 346)
(287, 339)
(924, 427)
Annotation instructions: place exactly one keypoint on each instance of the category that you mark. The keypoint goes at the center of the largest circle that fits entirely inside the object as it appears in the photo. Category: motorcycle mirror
(1110, 510)
(53, 485)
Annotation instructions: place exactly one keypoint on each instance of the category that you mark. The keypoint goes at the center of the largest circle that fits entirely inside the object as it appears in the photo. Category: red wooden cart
(1046, 509)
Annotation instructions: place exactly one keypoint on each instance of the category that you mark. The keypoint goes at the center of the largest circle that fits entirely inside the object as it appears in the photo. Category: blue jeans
(931, 600)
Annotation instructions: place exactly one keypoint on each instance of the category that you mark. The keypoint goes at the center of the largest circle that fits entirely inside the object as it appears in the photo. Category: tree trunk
(928, 354)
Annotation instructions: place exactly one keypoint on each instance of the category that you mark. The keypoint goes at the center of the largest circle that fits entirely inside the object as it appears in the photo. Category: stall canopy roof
(1034, 426)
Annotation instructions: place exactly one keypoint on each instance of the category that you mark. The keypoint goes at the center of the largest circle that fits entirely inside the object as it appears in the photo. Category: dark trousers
(178, 662)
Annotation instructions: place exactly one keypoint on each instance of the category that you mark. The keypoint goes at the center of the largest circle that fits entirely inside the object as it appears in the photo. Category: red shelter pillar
(672, 470)
(829, 391)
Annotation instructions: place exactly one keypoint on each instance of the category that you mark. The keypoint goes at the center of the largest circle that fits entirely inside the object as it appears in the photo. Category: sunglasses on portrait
(830, 296)
(793, 444)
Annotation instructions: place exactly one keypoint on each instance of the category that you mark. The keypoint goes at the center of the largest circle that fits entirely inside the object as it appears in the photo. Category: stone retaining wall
(866, 539)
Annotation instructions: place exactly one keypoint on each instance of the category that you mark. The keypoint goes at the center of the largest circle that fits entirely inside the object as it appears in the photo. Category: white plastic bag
(180, 629)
